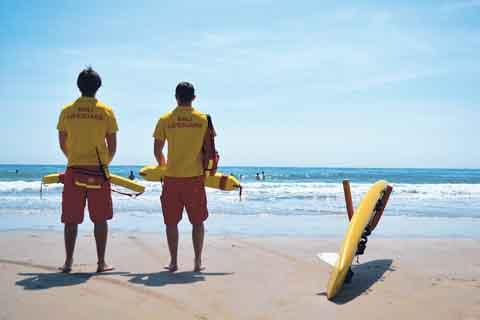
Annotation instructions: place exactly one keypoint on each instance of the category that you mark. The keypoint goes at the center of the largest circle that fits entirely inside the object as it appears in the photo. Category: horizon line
(269, 166)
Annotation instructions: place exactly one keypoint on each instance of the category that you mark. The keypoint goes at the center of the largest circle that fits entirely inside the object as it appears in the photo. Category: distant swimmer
(131, 176)
(16, 171)
(257, 176)
(263, 175)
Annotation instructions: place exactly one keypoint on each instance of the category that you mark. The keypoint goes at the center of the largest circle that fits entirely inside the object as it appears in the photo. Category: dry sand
(245, 278)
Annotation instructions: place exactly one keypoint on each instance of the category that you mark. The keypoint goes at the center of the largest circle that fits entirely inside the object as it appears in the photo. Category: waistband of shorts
(183, 179)
(86, 170)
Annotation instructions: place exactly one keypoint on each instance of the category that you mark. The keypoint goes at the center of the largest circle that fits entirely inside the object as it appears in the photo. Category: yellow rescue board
(360, 219)
(114, 179)
(217, 181)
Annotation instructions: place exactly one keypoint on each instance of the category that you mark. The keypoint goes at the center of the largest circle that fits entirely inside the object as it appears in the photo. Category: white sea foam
(286, 198)
(266, 191)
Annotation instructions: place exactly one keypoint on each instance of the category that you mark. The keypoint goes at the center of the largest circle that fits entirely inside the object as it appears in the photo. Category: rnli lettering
(85, 109)
(184, 118)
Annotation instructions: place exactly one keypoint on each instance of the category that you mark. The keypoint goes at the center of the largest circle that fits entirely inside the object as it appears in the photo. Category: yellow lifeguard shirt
(184, 129)
(86, 122)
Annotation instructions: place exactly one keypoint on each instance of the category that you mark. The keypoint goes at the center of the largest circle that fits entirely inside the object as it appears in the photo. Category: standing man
(183, 186)
(87, 136)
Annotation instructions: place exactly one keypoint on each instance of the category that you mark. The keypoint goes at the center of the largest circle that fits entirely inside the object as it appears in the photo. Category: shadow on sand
(158, 279)
(42, 281)
(366, 274)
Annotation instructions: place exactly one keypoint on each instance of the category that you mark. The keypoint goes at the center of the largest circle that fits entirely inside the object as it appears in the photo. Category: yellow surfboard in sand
(342, 261)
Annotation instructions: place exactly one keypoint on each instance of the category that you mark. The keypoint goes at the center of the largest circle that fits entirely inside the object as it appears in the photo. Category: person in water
(183, 186)
(131, 176)
(87, 136)
(257, 176)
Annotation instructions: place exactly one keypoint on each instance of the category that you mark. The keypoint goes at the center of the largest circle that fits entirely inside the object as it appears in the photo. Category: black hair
(88, 82)
(185, 93)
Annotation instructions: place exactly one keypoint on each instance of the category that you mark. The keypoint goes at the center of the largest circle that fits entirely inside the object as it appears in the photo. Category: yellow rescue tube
(114, 179)
(217, 181)
(222, 182)
(127, 183)
(152, 172)
(51, 178)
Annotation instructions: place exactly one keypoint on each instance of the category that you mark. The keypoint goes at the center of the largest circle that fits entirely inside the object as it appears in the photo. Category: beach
(299, 117)
(422, 261)
(246, 277)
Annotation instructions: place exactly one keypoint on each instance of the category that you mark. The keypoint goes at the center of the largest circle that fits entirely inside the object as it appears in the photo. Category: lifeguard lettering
(94, 116)
(184, 125)
(180, 118)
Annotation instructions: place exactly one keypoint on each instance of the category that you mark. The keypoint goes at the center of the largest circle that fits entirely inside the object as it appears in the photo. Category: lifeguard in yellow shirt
(87, 136)
(183, 186)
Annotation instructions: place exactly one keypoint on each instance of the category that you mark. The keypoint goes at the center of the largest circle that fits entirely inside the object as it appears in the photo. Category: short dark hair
(185, 92)
(89, 81)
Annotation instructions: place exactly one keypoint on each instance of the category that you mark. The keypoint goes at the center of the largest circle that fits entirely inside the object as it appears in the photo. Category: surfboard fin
(328, 257)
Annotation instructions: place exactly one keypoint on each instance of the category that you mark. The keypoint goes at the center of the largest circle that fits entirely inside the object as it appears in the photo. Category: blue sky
(296, 83)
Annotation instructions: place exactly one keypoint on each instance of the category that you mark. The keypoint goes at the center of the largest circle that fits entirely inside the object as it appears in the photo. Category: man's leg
(196, 205)
(198, 232)
(101, 233)
(73, 206)
(172, 208)
(101, 210)
(172, 239)
(70, 235)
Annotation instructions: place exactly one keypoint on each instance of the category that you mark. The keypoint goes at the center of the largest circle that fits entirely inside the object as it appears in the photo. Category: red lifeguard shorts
(188, 193)
(78, 187)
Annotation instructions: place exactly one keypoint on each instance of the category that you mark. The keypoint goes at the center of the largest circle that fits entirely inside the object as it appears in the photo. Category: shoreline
(161, 232)
(262, 225)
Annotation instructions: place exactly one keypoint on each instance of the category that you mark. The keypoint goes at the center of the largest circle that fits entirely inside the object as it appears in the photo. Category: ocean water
(289, 201)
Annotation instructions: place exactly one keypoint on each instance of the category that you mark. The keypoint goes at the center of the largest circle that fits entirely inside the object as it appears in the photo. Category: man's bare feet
(198, 265)
(67, 267)
(172, 267)
(103, 267)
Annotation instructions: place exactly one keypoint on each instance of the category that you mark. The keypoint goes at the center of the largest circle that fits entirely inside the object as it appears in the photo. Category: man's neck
(185, 105)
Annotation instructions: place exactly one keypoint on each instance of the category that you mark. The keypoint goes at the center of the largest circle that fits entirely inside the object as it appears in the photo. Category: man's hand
(62, 140)
(158, 151)
(111, 145)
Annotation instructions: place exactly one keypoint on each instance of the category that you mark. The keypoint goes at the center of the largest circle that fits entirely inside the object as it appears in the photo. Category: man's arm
(62, 140)
(158, 151)
(111, 144)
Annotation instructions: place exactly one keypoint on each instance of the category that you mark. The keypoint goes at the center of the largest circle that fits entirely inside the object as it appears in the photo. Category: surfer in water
(183, 186)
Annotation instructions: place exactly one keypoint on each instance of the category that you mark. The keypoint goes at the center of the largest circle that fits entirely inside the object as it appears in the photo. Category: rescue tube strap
(131, 195)
(102, 167)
